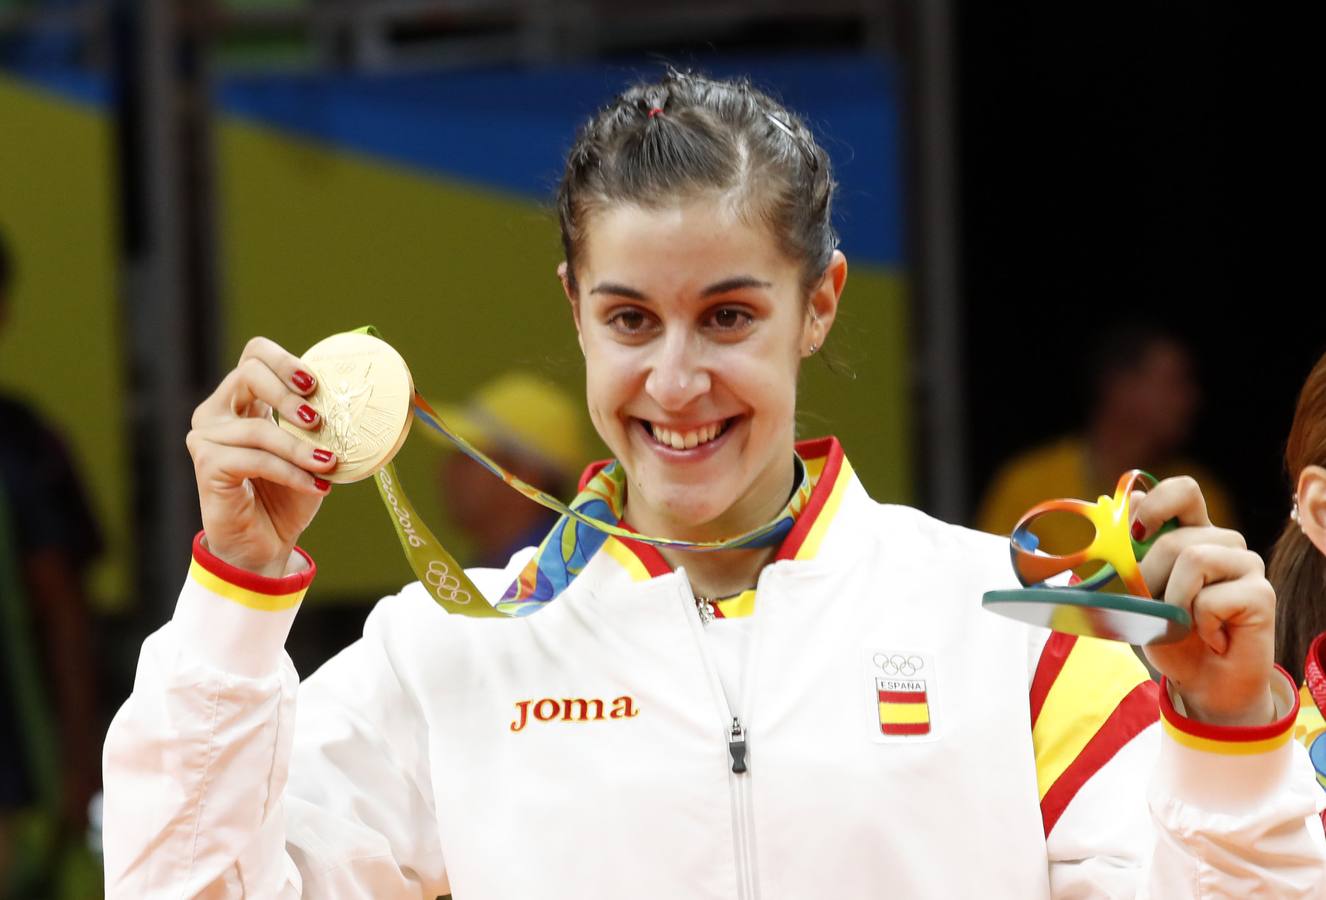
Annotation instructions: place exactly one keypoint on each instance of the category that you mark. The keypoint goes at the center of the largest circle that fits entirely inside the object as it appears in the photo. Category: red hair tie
(655, 111)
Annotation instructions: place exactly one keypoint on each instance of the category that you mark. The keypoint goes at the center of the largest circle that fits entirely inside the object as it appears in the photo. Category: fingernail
(321, 484)
(322, 456)
(302, 380)
(307, 413)
(1139, 530)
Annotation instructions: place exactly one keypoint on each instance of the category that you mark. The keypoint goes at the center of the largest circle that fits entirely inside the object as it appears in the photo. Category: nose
(677, 374)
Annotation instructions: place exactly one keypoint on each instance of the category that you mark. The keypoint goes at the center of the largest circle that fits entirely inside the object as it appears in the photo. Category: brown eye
(729, 318)
(629, 321)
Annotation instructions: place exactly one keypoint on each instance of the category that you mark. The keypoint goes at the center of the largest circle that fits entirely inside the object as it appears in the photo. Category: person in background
(1144, 396)
(49, 745)
(532, 429)
(1297, 568)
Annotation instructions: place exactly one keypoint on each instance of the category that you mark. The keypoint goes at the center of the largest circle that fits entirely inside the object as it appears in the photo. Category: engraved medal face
(364, 394)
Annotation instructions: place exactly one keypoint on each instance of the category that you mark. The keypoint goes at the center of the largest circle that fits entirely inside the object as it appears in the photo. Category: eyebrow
(722, 287)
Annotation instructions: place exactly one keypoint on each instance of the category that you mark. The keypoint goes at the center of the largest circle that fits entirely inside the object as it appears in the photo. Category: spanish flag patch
(904, 708)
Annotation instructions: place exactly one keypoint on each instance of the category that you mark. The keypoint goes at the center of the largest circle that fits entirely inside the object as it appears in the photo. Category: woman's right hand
(258, 485)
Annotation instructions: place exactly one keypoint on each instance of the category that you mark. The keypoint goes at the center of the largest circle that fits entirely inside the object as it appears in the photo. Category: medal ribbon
(583, 527)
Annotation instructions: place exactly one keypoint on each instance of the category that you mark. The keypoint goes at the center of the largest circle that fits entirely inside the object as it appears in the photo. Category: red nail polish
(1139, 531)
(307, 413)
(302, 380)
(321, 484)
(322, 456)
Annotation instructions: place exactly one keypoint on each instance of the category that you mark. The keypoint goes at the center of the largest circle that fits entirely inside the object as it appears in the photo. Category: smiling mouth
(687, 439)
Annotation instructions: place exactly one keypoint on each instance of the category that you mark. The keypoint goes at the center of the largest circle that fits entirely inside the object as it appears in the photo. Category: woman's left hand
(1223, 668)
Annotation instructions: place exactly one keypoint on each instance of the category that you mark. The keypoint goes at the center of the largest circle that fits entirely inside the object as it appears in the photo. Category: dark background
(1134, 164)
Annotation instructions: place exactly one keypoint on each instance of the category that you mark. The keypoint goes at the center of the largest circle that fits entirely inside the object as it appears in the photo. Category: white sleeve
(1236, 809)
(1232, 813)
(200, 799)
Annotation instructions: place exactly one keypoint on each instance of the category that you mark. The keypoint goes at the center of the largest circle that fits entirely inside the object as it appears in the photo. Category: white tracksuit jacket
(900, 741)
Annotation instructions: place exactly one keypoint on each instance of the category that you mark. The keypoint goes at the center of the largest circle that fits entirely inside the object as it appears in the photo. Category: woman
(1298, 566)
(832, 716)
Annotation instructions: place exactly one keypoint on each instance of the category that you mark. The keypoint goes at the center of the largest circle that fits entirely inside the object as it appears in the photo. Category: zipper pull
(736, 745)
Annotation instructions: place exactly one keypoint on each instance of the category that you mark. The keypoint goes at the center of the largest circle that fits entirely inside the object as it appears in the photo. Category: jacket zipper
(735, 735)
(736, 742)
(736, 746)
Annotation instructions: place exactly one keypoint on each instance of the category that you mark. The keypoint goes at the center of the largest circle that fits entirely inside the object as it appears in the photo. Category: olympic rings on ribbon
(445, 585)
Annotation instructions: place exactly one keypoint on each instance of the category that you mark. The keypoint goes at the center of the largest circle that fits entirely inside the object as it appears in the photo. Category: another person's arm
(65, 625)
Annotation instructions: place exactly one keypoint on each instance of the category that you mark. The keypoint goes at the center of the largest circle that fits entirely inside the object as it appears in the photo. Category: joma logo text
(571, 709)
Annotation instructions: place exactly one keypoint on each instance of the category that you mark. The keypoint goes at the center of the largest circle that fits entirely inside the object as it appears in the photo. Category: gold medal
(365, 396)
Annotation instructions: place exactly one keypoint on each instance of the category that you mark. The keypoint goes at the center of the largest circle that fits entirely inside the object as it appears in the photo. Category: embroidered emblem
(904, 684)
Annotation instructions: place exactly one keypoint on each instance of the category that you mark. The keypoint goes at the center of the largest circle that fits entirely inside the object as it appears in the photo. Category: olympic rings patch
(446, 586)
(898, 664)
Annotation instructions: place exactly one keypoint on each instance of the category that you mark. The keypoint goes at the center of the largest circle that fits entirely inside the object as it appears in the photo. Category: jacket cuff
(1223, 767)
(237, 620)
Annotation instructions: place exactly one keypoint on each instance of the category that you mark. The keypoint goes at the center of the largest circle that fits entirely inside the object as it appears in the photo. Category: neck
(723, 573)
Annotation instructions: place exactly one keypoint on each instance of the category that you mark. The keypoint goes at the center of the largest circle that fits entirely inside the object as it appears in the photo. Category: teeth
(686, 440)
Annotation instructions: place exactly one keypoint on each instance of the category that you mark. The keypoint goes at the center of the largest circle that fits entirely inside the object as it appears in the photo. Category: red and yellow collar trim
(247, 588)
(1227, 739)
(830, 473)
(736, 607)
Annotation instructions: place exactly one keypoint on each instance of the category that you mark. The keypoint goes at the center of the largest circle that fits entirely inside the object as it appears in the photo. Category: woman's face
(693, 326)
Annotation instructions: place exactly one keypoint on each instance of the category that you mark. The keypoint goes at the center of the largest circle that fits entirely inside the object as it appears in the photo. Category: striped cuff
(237, 620)
(1229, 739)
(248, 588)
(1226, 769)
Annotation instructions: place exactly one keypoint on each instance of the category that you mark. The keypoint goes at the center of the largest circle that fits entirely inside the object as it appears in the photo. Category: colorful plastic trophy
(1083, 607)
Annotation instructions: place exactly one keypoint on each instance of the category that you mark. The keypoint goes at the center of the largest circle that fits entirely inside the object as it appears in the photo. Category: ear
(822, 306)
(564, 276)
(1312, 505)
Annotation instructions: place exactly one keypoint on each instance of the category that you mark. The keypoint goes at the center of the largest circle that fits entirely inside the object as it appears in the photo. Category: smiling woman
(694, 325)
(748, 692)
(701, 266)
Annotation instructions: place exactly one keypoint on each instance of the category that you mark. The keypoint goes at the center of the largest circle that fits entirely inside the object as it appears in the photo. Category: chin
(688, 505)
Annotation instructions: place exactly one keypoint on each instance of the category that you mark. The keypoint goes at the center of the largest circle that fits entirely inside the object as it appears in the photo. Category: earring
(813, 348)
(1293, 513)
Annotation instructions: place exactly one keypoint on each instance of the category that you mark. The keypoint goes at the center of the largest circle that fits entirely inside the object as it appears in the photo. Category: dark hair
(1122, 349)
(685, 135)
(1297, 569)
(6, 267)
